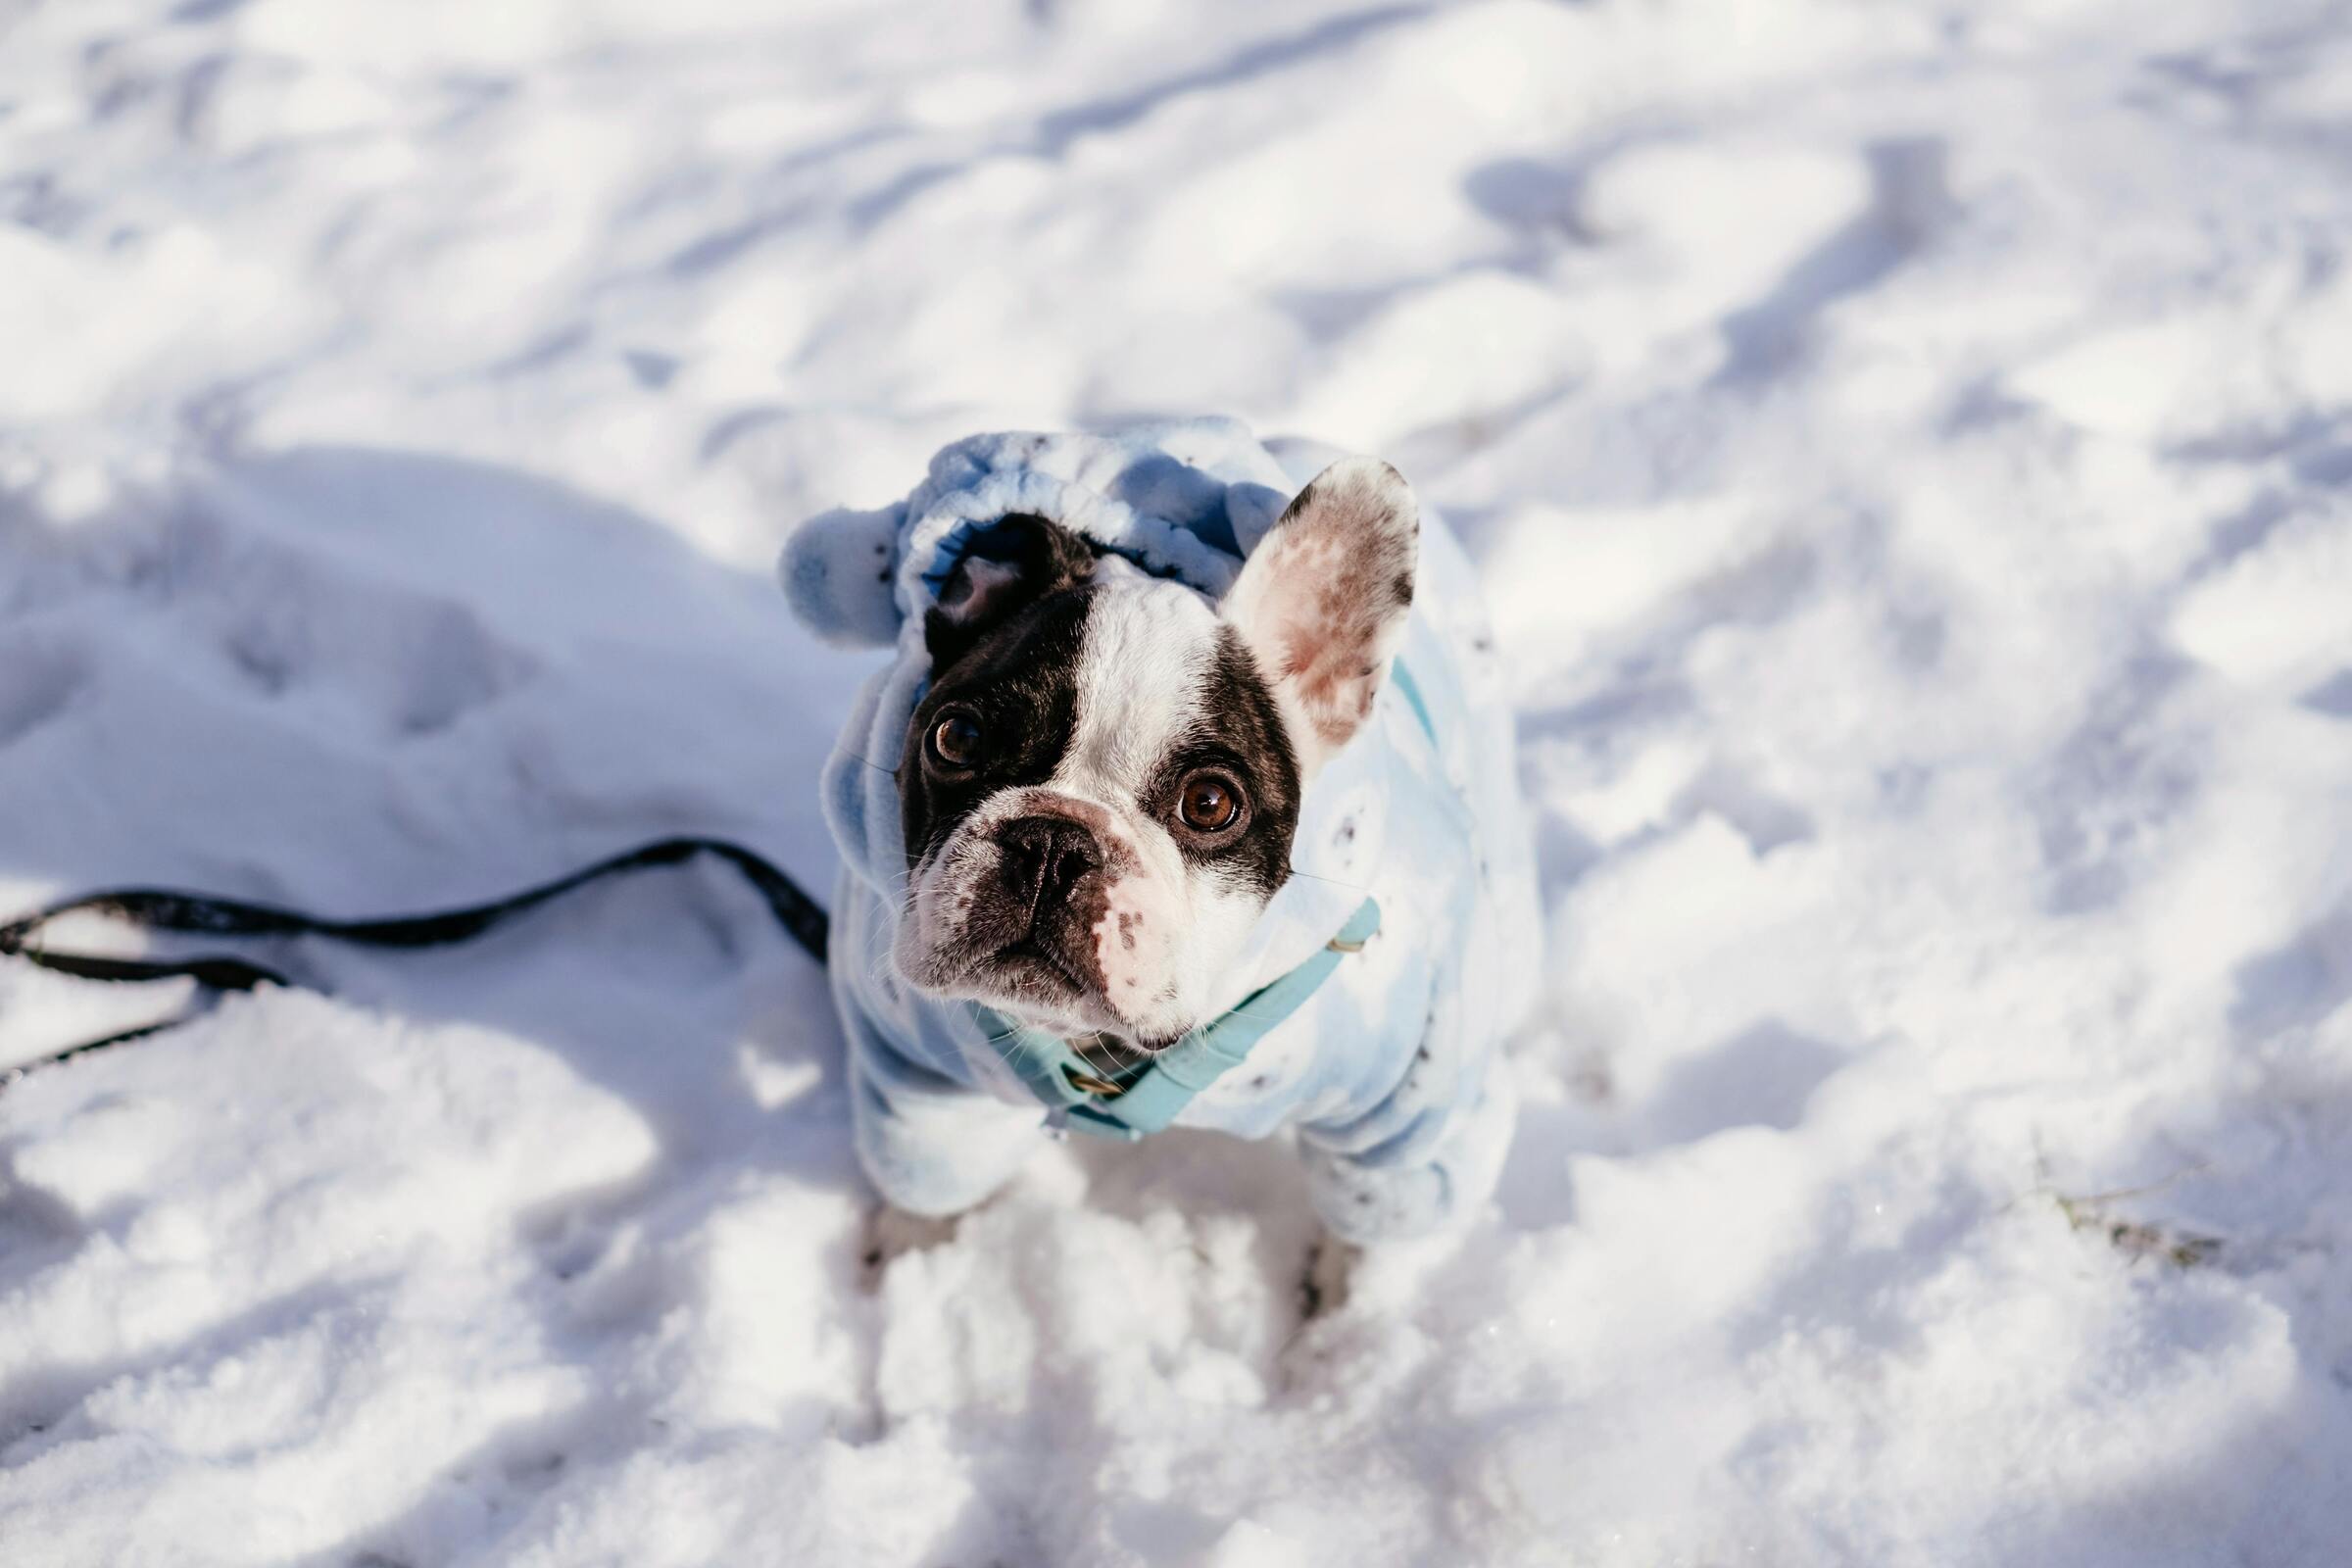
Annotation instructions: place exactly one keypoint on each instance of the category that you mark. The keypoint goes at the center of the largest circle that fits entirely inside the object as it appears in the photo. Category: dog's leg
(931, 1146)
(1447, 1176)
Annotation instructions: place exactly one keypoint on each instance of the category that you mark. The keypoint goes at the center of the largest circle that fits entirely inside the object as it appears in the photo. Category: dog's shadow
(364, 682)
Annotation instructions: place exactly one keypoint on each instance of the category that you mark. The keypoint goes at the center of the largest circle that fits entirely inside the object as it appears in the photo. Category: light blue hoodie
(1391, 1072)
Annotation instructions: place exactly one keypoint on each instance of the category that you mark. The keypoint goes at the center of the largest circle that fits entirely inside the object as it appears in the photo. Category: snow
(1906, 450)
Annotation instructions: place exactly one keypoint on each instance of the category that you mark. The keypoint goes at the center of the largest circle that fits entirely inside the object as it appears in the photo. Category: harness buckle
(1093, 1085)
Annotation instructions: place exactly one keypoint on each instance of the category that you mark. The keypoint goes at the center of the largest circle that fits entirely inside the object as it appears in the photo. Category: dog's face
(1101, 783)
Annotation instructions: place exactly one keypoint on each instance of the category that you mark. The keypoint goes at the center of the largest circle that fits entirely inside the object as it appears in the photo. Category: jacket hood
(1187, 499)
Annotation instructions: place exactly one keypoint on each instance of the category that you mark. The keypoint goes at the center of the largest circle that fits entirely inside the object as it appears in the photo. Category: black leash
(216, 974)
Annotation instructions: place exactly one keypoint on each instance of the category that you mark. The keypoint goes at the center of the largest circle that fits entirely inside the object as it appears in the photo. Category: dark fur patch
(1237, 728)
(1021, 559)
(1019, 679)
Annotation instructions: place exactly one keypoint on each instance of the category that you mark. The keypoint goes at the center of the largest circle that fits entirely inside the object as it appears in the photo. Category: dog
(1188, 799)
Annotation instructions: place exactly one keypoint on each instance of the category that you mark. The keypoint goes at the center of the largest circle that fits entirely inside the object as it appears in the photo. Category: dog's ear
(1006, 566)
(1321, 603)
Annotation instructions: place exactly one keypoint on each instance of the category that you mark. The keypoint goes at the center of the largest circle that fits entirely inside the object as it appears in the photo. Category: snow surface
(1907, 446)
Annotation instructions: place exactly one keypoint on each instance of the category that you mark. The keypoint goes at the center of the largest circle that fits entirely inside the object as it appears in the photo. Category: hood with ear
(1186, 499)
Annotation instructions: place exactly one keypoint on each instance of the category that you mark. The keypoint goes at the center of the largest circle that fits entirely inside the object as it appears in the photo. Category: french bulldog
(1102, 785)
(1181, 804)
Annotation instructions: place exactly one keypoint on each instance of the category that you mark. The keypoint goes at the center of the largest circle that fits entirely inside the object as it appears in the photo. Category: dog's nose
(1044, 857)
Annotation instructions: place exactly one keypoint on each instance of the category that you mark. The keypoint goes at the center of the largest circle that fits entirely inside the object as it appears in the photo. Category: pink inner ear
(1324, 598)
(1332, 607)
(973, 584)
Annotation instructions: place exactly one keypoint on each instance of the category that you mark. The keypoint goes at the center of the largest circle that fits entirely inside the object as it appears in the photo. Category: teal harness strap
(1149, 1098)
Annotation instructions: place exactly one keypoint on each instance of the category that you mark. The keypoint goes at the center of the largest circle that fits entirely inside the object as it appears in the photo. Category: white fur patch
(1172, 927)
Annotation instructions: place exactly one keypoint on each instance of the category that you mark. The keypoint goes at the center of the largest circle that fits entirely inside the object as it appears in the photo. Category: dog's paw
(892, 1232)
(1323, 1285)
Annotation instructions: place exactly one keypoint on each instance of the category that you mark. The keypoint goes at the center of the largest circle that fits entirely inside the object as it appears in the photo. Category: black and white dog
(1184, 802)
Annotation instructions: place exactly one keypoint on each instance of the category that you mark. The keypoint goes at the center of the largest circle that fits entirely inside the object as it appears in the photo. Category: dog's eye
(1210, 802)
(955, 740)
